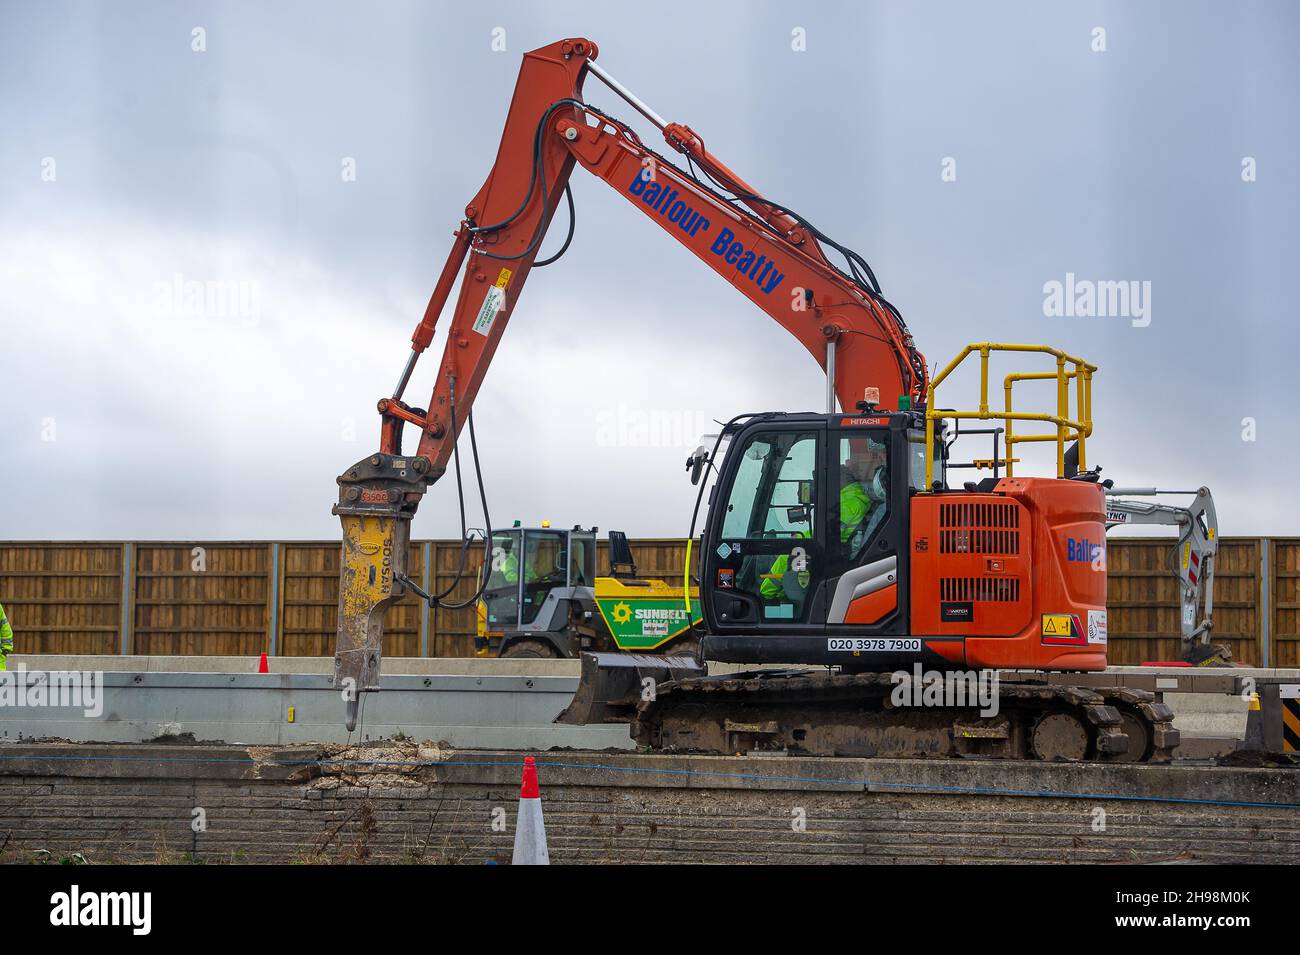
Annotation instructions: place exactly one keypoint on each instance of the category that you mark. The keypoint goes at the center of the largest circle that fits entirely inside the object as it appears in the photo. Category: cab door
(867, 512)
(765, 561)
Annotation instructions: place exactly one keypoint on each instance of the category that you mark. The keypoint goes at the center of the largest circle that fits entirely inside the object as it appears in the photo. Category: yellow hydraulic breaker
(377, 498)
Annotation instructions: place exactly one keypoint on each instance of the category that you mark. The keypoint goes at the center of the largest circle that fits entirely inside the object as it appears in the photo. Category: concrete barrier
(324, 666)
(412, 803)
(471, 702)
(282, 708)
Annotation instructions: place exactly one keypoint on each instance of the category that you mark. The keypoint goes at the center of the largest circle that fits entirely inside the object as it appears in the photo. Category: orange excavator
(833, 541)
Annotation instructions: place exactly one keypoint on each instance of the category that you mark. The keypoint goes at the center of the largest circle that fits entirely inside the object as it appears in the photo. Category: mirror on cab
(805, 492)
(696, 462)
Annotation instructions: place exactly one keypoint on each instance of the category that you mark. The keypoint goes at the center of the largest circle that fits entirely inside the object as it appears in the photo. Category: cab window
(501, 593)
(772, 499)
(916, 460)
(545, 566)
(862, 507)
(582, 562)
(772, 493)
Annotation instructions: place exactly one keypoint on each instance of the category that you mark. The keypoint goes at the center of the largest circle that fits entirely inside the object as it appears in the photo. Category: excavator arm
(1191, 559)
(770, 254)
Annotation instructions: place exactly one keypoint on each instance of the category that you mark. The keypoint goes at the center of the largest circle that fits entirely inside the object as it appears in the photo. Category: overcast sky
(132, 164)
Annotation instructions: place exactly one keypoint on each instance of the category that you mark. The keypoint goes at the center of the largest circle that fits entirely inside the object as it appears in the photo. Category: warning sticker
(493, 303)
(1056, 624)
(1097, 626)
(1062, 628)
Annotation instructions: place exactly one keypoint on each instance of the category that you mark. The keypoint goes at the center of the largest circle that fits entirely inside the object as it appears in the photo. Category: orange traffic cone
(262, 665)
(530, 833)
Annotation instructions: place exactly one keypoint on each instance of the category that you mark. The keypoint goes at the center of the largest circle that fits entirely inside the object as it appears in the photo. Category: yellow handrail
(1067, 429)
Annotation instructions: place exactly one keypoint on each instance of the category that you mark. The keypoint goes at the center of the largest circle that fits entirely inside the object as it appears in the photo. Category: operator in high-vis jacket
(856, 503)
(6, 638)
(862, 498)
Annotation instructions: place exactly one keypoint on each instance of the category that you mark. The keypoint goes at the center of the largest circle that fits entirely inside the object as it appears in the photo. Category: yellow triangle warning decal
(1057, 625)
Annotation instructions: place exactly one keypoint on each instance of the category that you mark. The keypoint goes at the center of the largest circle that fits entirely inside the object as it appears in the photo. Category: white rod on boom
(627, 94)
(830, 376)
(406, 375)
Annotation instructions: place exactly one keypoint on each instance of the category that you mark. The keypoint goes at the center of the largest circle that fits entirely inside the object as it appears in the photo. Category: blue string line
(865, 782)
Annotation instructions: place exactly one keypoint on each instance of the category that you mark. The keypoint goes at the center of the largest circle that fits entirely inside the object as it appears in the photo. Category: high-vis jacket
(855, 503)
(6, 637)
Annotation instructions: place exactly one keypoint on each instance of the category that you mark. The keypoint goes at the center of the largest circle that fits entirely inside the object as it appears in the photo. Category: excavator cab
(536, 577)
(806, 539)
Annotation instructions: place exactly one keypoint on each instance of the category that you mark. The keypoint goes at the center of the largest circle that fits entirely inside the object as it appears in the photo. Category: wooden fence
(243, 598)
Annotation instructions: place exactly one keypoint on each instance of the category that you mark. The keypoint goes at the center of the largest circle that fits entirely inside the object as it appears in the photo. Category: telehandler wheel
(687, 647)
(530, 648)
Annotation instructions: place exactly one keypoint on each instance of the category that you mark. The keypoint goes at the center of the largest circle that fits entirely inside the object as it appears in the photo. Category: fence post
(127, 643)
(273, 599)
(427, 552)
(1265, 602)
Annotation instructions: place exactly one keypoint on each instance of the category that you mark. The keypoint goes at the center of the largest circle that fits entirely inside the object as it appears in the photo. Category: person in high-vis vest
(510, 568)
(6, 638)
(865, 487)
(773, 582)
(854, 505)
(856, 502)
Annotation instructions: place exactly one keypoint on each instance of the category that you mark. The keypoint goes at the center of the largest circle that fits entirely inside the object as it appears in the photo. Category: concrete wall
(411, 803)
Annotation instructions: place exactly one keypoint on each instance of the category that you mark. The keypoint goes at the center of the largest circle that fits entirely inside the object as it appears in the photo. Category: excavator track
(817, 713)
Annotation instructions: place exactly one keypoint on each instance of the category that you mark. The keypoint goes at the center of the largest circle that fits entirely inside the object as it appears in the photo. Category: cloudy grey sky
(130, 164)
